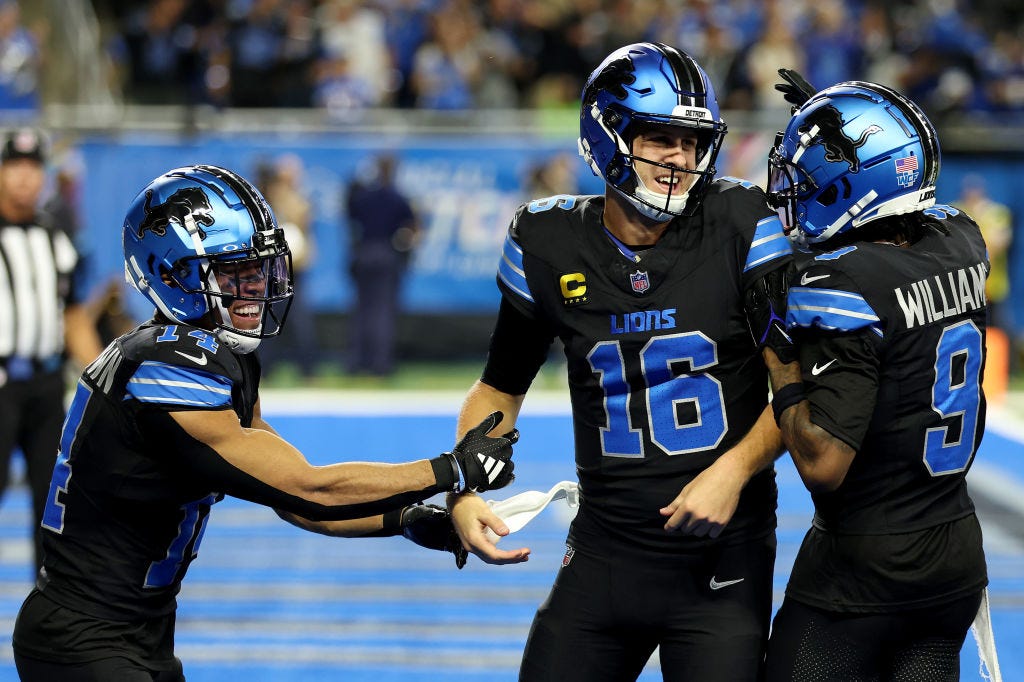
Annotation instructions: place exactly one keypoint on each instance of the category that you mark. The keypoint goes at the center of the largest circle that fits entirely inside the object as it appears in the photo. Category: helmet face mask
(787, 185)
(203, 245)
(643, 85)
(852, 154)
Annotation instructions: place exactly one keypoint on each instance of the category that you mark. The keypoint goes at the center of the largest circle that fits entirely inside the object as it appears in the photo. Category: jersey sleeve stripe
(829, 309)
(769, 243)
(510, 269)
(157, 382)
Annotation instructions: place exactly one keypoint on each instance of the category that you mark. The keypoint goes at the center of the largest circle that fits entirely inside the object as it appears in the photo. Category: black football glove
(430, 526)
(484, 463)
(765, 305)
(795, 90)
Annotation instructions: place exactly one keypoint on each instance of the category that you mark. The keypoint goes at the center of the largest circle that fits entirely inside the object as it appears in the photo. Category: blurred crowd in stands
(349, 55)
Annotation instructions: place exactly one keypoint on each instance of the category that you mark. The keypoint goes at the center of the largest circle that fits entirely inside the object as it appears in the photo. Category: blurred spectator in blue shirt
(383, 232)
(355, 31)
(160, 52)
(20, 59)
(447, 68)
(831, 43)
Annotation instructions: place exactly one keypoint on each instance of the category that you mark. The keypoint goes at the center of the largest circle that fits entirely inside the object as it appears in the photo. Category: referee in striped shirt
(42, 319)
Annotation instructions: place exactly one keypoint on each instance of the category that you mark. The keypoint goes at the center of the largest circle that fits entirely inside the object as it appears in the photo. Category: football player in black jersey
(167, 421)
(674, 541)
(884, 411)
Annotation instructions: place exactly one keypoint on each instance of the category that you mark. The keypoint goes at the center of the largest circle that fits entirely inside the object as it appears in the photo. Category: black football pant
(606, 614)
(81, 648)
(920, 645)
(31, 417)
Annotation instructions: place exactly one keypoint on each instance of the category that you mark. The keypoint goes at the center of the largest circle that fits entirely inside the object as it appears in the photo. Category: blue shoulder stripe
(829, 309)
(510, 269)
(769, 243)
(158, 382)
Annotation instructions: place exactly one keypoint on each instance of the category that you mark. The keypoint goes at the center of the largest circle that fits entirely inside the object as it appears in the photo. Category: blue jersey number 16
(663, 394)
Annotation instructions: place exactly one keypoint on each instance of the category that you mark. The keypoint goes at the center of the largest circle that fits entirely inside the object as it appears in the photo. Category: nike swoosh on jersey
(715, 585)
(805, 280)
(198, 359)
(818, 370)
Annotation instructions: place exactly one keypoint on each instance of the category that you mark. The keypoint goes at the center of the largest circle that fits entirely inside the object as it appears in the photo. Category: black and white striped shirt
(36, 283)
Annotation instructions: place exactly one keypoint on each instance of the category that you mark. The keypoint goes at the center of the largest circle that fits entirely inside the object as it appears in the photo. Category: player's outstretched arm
(471, 515)
(258, 465)
(427, 525)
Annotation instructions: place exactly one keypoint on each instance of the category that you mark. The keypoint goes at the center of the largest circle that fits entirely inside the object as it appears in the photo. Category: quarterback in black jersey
(674, 541)
(885, 410)
(167, 421)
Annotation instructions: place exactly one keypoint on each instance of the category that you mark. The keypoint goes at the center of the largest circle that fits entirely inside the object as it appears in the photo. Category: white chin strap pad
(237, 342)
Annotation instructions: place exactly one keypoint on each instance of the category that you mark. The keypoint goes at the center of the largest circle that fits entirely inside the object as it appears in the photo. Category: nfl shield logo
(640, 281)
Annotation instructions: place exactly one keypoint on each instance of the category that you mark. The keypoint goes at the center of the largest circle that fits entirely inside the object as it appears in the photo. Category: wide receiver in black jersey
(884, 411)
(674, 541)
(167, 421)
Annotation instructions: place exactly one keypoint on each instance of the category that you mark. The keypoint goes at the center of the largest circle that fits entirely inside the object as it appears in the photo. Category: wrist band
(446, 472)
(786, 397)
(392, 523)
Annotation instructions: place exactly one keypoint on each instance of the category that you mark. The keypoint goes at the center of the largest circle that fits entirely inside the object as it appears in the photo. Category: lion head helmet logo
(826, 126)
(187, 202)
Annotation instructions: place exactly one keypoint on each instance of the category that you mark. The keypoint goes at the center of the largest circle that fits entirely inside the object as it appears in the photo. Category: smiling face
(245, 282)
(668, 145)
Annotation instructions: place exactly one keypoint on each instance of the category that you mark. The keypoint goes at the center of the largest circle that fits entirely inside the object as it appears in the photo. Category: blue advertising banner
(465, 191)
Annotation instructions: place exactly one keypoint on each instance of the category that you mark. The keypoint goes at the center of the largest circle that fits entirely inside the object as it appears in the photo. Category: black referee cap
(24, 143)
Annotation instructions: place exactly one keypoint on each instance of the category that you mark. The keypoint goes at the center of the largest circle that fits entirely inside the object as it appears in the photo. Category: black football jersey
(124, 519)
(663, 373)
(892, 351)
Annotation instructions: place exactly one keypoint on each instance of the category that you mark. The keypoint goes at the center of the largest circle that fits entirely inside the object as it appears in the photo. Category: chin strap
(236, 342)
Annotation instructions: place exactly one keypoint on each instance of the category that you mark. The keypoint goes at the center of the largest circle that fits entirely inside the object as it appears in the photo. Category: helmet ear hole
(829, 196)
(165, 276)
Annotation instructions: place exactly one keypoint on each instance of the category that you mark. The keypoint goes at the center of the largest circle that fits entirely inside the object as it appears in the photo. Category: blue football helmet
(202, 244)
(649, 83)
(853, 153)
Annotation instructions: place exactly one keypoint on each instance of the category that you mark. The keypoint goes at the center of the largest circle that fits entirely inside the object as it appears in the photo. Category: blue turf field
(266, 601)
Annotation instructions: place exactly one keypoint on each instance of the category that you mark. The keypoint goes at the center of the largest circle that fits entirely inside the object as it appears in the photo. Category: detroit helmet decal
(188, 206)
(826, 126)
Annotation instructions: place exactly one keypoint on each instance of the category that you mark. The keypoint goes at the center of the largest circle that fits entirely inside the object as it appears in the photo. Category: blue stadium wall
(466, 189)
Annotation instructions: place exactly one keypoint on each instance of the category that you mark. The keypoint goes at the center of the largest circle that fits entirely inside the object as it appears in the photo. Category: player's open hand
(472, 518)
